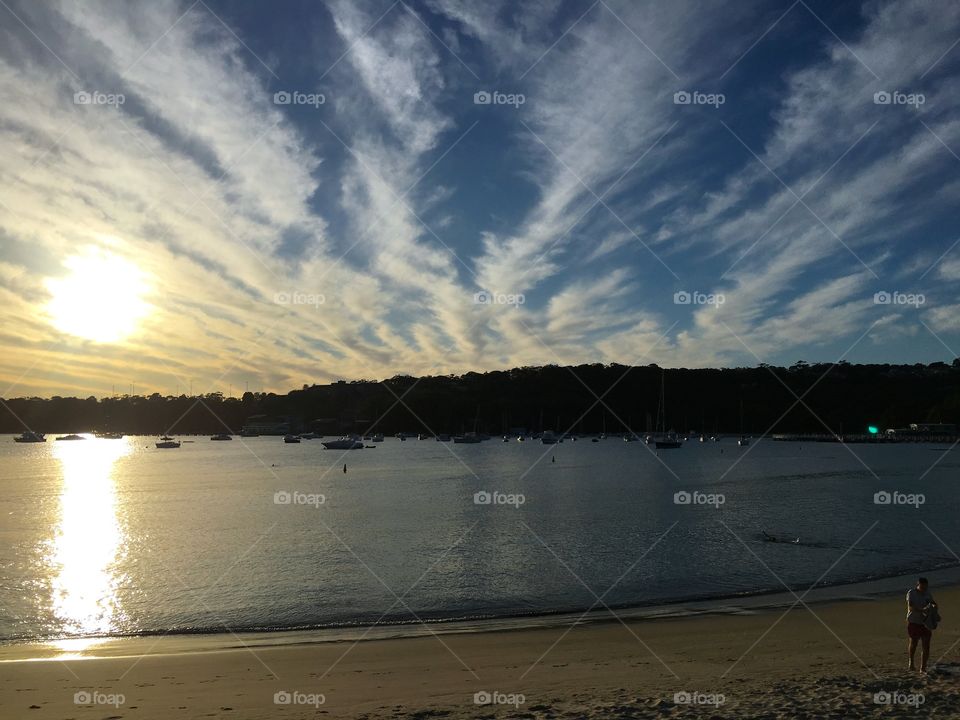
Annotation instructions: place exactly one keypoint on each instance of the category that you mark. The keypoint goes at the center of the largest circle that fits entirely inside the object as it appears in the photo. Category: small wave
(479, 621)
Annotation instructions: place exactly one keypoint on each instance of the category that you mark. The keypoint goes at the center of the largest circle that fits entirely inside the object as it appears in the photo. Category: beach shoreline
(826, 658)
(178, 642)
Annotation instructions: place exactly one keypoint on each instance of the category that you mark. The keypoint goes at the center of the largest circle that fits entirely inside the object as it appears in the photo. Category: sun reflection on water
(88, 538)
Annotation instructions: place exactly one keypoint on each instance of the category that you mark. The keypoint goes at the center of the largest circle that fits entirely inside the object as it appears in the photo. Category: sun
(101, 299)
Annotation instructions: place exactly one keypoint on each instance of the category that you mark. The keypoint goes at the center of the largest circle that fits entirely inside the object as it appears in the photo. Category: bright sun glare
(101, 298)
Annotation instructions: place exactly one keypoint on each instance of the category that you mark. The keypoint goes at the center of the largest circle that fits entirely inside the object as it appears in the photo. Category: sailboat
(668, 440)
(744, 441)
(548, 438)
(470, 438)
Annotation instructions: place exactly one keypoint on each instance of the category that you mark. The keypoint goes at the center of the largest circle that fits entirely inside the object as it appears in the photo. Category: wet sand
(834, 660)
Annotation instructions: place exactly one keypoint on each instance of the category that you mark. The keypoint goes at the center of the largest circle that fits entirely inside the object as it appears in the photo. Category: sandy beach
(828, 660)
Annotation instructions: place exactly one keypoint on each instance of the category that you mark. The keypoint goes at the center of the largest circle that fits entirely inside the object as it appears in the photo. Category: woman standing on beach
(922, 618)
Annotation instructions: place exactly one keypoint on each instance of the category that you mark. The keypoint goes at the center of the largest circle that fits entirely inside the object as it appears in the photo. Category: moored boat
(344, 443)
(30, 437)
(668, 442)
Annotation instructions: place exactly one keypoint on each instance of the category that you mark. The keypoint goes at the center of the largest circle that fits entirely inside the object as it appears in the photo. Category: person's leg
(912, 651)
(925, 652)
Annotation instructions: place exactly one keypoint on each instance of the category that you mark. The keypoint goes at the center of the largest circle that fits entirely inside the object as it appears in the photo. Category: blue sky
(348, 233)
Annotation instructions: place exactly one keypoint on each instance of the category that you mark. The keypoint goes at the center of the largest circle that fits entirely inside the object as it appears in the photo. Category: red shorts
(917, 631)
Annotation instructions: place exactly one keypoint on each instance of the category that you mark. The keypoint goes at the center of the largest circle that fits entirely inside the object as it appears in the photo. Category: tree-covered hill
(587, 398)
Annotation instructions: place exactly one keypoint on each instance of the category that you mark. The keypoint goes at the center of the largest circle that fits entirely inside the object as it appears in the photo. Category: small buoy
(553, 459)
(721, 451)
(344, 467)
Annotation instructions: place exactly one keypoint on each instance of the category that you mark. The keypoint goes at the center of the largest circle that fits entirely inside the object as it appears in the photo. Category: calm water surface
(104, 537)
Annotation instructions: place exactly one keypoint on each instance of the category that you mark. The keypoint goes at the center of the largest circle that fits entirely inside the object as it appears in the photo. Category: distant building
(326, 426)
(270, 425)
(936, 429)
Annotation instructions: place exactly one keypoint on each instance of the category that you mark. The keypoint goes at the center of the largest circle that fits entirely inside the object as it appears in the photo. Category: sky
(222, 196)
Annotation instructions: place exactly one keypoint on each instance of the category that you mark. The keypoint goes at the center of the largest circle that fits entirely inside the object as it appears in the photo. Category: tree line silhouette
(803, 398)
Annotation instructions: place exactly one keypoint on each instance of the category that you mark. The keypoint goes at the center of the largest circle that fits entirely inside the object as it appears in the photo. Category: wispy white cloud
(609, 197)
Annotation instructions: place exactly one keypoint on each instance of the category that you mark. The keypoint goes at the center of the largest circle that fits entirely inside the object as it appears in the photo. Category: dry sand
(829, 661)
